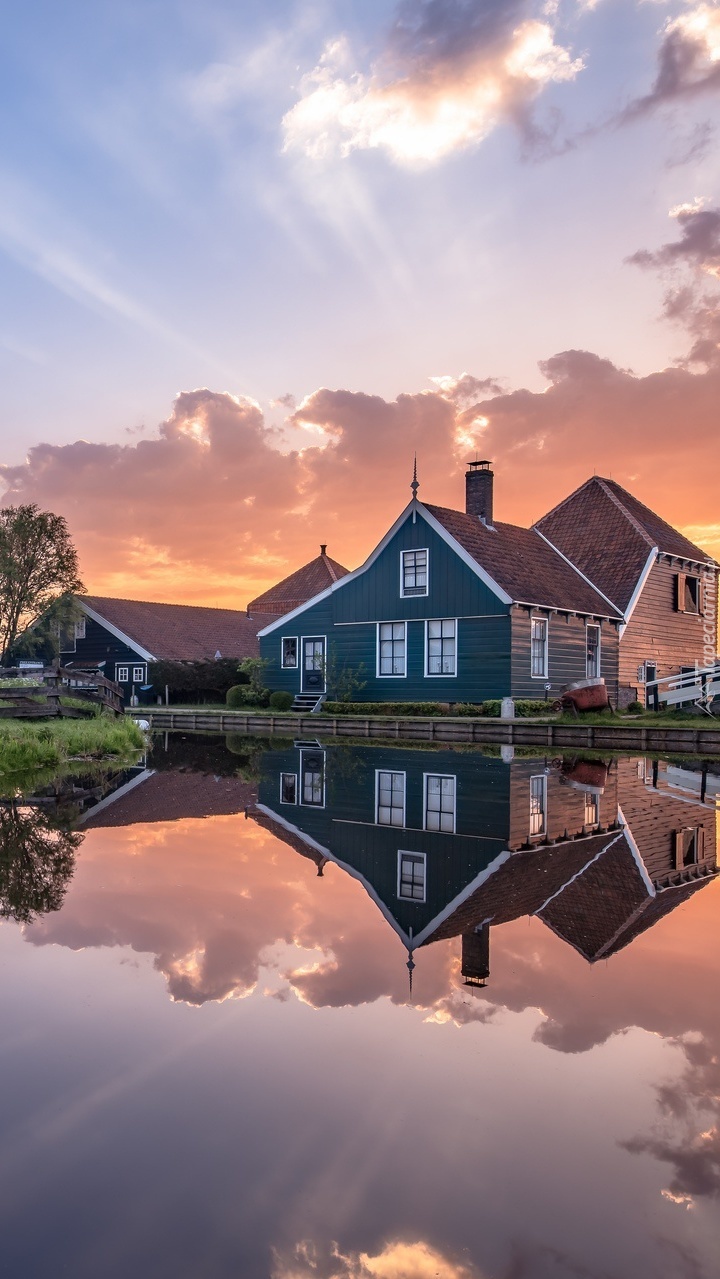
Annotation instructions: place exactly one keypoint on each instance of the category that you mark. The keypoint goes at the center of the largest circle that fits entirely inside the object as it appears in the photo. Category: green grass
(51, 744)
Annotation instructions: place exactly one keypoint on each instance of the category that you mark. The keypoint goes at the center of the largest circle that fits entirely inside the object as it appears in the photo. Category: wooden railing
(43, 698)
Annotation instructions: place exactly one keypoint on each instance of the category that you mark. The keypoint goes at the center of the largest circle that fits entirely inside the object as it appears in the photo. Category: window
(390, 799)
(592, 809)
(538, 647)
(138, 675)
(122, 674)
(413, 572)
(687, 599)
(538, 805)
(288, 788)
(592, 663)
(411, 876)
(289, 653)
(391, 648)
(80, 628)
(439, 803)
(312, 768)
(442, 648)
(689, 846)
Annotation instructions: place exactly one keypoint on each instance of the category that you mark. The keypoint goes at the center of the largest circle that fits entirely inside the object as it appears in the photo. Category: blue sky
(182, 208)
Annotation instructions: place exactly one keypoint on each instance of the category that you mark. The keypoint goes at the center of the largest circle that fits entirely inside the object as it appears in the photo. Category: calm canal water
(328, 1012)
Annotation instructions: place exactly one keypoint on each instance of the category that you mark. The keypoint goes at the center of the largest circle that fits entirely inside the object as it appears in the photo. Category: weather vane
(414, 486)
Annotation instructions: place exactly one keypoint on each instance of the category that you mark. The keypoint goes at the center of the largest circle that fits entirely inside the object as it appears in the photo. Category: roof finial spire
(414, 486)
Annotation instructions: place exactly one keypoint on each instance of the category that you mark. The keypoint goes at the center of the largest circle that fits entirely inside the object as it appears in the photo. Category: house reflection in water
(450, 843)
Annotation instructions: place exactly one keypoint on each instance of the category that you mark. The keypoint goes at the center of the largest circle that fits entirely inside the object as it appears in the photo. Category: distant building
(124, 637)
(300, 586)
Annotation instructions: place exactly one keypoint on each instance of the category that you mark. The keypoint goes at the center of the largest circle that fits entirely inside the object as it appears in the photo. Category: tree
(37, 859)
(38, 570)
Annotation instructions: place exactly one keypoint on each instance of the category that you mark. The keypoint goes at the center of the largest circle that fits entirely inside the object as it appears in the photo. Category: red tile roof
(181, 632)
(300, 586)
(609, 535)
(169, 796)
(522, 564)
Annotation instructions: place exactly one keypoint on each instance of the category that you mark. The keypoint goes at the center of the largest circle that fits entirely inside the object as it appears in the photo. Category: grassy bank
(51, 744)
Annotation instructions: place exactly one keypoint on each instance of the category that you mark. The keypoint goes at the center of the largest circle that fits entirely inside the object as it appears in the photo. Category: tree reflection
(37, 860)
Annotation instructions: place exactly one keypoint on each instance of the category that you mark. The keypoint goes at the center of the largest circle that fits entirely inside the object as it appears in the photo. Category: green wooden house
(449, 607)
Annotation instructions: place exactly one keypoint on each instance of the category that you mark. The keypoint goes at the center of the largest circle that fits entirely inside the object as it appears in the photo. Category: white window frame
(296, 788)
(393, 772)
(442, 777)
(535, 617)
(440, 674)
(138, 675)
(301, 782)
(119, 677)
(413, 592)
(80, 627)
(286, 666)
(538, 834)
(593, 626)
(421, 858)
(385, 675)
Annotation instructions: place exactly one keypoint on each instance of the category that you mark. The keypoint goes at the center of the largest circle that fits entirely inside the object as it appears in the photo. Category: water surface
(214, 1063)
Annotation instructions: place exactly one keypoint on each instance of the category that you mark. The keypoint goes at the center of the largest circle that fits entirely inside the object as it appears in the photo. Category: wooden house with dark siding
(124, 637)
(450, 607)
(665, 587)
(449, 844)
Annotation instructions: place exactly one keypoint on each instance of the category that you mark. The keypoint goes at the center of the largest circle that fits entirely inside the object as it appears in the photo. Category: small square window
(411, 876)
(138, 675)
(289, 653)
(413, 573)
(288, 788)
(123, 674)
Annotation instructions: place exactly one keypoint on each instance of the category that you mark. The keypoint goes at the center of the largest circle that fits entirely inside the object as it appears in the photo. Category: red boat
(584, 695)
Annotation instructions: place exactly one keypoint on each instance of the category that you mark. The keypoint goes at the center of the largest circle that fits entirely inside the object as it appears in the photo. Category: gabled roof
(523, 564)
(300, 586)
(610, 536)
(177, 632)
(171, 796)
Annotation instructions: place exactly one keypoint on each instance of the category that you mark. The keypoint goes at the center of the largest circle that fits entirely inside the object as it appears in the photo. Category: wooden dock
(518, 732)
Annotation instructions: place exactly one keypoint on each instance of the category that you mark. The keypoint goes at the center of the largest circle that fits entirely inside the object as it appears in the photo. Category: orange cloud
(396, 1260)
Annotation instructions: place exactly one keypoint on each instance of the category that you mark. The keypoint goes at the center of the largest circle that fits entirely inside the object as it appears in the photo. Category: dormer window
(413, 573)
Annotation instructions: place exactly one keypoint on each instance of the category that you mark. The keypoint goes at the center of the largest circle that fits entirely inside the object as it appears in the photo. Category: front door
(313, 665)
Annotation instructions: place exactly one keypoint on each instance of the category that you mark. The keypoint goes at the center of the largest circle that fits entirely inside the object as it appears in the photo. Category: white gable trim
(434, 524)
(116, 794)
(577, 570)
(639, 588)
(114, 630)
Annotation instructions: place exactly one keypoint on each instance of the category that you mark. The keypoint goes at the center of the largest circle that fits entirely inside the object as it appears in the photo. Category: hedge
(280, 700)
(382, 708)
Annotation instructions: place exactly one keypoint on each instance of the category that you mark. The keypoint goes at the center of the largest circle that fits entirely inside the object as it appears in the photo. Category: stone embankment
(518, 732)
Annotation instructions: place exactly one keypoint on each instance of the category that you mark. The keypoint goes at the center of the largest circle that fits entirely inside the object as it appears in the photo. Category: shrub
(525, 708)
(466, 708)
(280, 700)
(635, 708)
(236, 696)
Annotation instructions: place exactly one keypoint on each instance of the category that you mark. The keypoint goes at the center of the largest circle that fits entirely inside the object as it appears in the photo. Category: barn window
(391, 648)
(123, 674)
(288, 788)
(411, 876)
(442, 648)
(687, 593)
(414, 572)
(390, 799)
(289, 653)
(538, 804)
(592, 663)
(538, 647)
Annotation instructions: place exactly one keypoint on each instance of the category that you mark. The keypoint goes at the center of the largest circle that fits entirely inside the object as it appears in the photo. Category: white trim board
(639, 588)
(115, 630)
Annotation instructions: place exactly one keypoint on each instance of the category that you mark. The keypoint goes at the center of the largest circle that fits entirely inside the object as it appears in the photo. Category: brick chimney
(479, 491)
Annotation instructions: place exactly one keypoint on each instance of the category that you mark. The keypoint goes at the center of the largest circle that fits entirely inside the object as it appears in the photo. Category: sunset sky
(254, 257)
